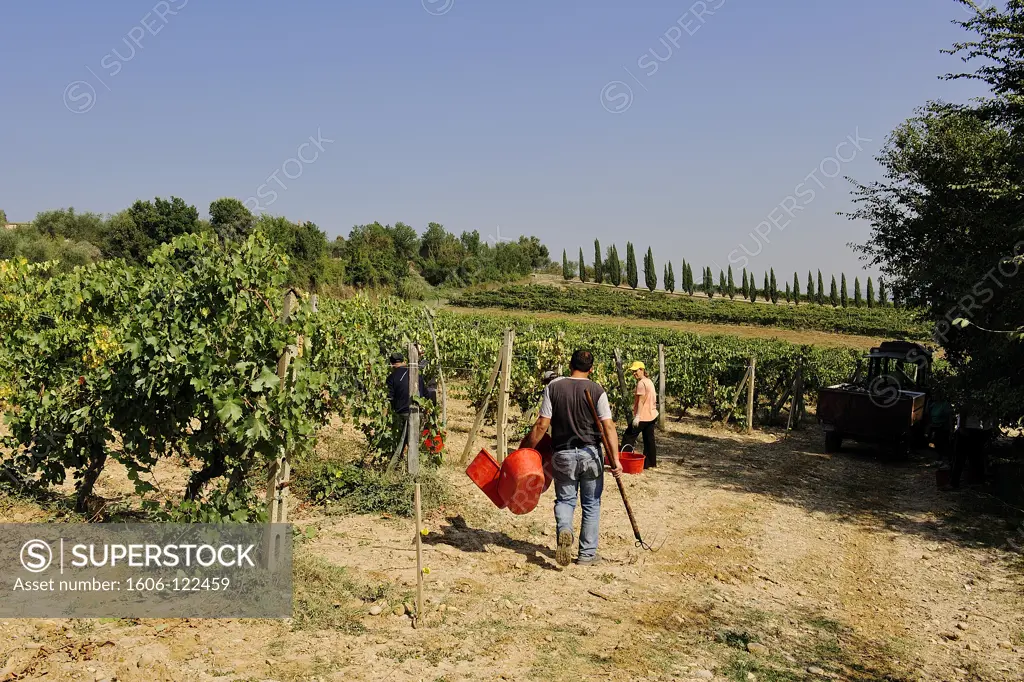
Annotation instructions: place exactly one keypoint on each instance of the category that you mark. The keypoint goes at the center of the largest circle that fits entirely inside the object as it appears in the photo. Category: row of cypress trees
(608, 268)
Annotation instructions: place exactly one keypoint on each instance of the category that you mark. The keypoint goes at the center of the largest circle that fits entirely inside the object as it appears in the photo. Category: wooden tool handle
(618, 479)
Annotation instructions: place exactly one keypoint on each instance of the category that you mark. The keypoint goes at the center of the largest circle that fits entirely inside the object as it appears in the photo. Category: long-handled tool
(618, 479)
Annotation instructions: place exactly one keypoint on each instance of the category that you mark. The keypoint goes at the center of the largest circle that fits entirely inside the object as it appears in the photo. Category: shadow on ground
(460, 535)
(859, 484)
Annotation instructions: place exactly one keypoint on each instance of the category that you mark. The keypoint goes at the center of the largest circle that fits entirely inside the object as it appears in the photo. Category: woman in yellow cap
(645, 414)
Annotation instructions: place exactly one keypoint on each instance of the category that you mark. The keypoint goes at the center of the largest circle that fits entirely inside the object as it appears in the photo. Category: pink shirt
(648, 399)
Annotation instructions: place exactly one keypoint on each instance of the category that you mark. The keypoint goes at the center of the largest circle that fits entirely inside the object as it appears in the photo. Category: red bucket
(546, 449)
(632, 463)
(521, 480)
(484, 471)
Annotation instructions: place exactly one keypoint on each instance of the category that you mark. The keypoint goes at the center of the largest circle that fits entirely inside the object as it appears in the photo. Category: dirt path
(841, 567)
(800, 336)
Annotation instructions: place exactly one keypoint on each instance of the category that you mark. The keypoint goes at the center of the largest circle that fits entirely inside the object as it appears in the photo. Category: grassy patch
(363, 490)
(328, 597)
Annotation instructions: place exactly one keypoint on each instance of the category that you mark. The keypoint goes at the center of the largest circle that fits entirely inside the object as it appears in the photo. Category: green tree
(689, 279)
(870, 298)
(583, 267)
(631, 273)
(566, 275)
(821, 290)
(650, 273)
(883, 295)
(857, 300)
(833, 296)
(746, 286)
(230, 219)
(767, 289)
(722, 288)
(774, 288)
(796, 289)
(148, 224)
(670, 278)
(753, 288)
(77, 227)
(731, 285)
(614, 266)
(843, 300)
(789, 293)
(3, 217)
(811, 298)
(598, 265)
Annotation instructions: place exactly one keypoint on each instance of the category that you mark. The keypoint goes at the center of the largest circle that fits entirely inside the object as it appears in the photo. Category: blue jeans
(579, 471)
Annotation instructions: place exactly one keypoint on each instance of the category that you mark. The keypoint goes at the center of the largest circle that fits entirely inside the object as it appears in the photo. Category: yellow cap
(637, 365)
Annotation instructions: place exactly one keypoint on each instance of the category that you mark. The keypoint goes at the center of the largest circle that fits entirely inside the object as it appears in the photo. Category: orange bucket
(521, 480)
(484, 471)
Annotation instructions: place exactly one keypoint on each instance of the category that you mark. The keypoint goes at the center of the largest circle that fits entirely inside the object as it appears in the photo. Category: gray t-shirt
(572, 422)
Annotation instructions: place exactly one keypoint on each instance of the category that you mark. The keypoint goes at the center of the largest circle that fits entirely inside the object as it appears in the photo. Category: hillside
(888, 322)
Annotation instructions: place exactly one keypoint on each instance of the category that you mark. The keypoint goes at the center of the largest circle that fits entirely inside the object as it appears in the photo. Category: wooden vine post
(750, 394)
(661, 386)
(279, 475)
(503, 391)
(796, 407)
(414, 471)
(626, 406)
(502, 369)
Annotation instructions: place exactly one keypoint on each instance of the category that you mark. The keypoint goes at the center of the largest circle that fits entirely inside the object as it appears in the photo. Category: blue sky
(478, 114)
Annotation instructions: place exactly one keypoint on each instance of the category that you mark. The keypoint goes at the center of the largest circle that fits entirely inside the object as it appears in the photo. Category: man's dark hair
(582, 361)
(397, 358)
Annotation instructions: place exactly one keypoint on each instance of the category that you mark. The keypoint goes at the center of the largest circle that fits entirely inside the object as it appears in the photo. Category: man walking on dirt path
(645, 415)
(577, 464)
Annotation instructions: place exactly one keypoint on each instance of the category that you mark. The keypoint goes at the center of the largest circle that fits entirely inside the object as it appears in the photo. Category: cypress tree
(722, 289)
(789, 293)
(598, 265)
(670, 278)
(774, 288)
(796, 289)
(631, 276)
(882, 295)
(731, 285)
(842, 291)
(691, 286)
(857, 301)
(709, 283)
(746, 288)
(753, 289)
(650, 274)
(766, 292)
(821, 290)
(614, 266)
(870, 298)
(566, 274)
(583, 267)
(810, 288)
(833, 296)
(897, 302)
(683, 284)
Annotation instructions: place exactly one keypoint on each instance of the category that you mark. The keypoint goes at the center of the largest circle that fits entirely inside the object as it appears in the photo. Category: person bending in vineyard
(645, 415)
(398, 396)
(577, 464)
